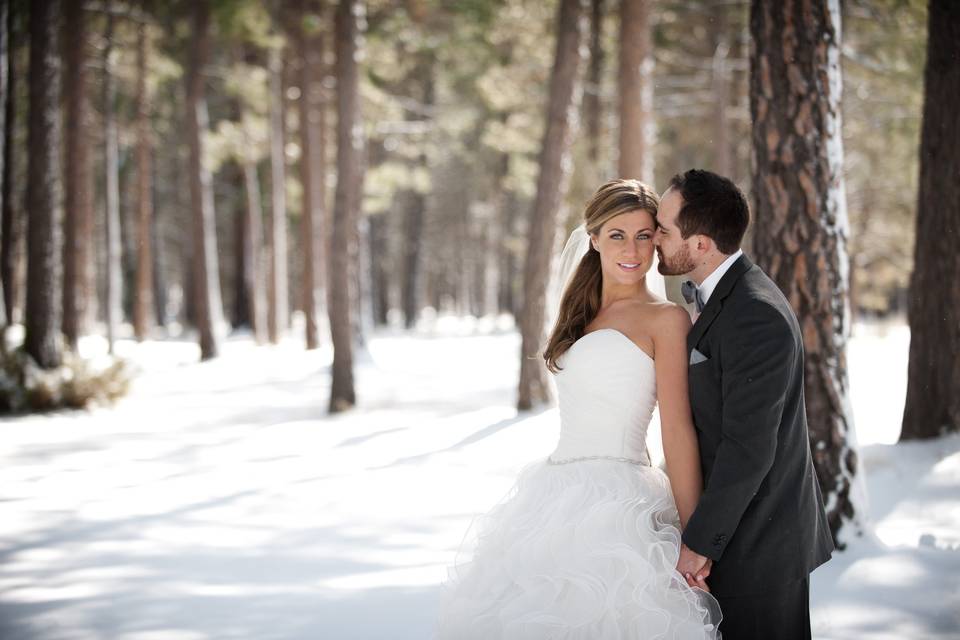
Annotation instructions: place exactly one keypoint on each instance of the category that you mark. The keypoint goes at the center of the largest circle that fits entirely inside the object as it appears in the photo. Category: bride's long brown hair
(581, 299)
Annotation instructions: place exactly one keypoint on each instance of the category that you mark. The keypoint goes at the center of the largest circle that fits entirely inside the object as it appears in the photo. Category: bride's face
(625, 243)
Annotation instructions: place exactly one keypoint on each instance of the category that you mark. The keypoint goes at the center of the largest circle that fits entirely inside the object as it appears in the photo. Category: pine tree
(551, 187)
(933, 386)
(800, 216)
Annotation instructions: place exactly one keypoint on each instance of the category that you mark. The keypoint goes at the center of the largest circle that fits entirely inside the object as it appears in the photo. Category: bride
(587, 543)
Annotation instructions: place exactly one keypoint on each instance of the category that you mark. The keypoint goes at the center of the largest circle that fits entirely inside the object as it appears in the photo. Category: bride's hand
(699, 580)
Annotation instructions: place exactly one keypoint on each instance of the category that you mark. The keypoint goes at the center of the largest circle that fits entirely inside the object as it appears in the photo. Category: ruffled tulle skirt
(585, 550)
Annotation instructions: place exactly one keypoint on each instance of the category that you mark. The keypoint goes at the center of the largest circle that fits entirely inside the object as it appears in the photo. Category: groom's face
(673, 250)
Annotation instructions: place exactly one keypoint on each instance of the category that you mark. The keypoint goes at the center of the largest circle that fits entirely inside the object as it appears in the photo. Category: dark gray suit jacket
(760, 517)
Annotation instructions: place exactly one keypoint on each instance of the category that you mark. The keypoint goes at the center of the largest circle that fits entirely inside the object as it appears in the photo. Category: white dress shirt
(710, 282)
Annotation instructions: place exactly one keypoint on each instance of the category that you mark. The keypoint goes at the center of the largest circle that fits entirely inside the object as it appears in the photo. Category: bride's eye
(616, 236)
(643, 236)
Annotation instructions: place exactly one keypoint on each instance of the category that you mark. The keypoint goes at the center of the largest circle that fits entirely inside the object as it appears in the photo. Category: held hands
(694, 567)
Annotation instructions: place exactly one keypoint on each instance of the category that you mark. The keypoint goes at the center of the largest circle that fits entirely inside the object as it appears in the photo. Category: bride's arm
(676, 420)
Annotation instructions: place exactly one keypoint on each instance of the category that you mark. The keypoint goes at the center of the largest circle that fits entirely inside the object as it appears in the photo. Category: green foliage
(247, 135)
(245, 21)
(883, 63)
(453, 106)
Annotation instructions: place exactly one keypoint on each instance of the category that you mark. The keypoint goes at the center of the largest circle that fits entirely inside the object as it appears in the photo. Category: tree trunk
(379, 269)
(240, 316)
(209, 307)
(252, 243)
(5, 56)
(182, 206)
(143, 293)
(933, 384)
(504, 212)
(112, 190)
(349, 148)
(363, 320)
(636, 90)
(11, 231)
(592, 88)
(159, 265)
(312, 177)
(721, 90)
(551, 187)
(43, 308)
(78, 194)
(493, 239)
(800, 234)
(463, 276)
(415, 203)
(277, 296)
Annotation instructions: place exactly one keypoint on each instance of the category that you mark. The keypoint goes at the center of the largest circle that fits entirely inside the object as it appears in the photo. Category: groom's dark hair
(712, 206)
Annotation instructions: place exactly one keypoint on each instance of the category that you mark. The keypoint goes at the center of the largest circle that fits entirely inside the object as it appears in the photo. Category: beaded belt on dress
(614, 458)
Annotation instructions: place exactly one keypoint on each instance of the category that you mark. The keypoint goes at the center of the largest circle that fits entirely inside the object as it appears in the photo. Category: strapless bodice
(607, 391)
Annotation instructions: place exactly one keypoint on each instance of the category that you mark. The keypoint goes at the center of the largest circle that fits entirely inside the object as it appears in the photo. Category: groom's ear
(704, 243)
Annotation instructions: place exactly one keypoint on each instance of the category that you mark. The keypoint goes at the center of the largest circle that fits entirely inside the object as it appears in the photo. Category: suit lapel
(715, 303)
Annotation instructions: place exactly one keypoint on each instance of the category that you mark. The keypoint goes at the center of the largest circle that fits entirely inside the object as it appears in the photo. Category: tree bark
(506, 218)
(11, 231)
(349, 182)
(5, 56)
(414, 200)
(209, 307)
(636, 90)
(43, 309)
(379, 269)
(78, 192)
(800, 234)
(363, 320)
(551, 187)
(277, 295)
(592, 89)
(143, 293)
(933, 383)
(493, 240)
(252, 243)
(413, 212)
(721, 90)
(240, 316)
(312, 176)
(159, 264)
(114, 273)
(182, 207)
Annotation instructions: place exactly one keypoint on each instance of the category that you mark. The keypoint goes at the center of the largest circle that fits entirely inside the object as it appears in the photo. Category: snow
(219, 501)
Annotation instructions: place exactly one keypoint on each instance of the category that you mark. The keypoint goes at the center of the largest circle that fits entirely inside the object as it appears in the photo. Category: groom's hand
(694, 567)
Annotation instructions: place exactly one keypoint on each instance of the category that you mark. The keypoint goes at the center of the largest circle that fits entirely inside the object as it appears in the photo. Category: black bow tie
(691, 293)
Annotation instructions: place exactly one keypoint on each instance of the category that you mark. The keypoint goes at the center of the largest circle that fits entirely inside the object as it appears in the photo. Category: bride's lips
(629, 266)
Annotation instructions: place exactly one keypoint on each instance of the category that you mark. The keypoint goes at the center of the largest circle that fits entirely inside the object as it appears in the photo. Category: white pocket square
(696, 357)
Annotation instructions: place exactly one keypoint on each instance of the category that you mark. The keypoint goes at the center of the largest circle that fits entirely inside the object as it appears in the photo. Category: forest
(317, 175)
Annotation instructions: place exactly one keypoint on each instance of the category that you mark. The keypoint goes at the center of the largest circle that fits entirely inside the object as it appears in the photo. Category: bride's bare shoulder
(669, 318)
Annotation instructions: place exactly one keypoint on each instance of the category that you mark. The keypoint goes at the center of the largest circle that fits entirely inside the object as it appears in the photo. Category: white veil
(566, 265)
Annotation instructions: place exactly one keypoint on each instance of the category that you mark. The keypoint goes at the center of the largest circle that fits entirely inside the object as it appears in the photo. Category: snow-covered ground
(220, 501)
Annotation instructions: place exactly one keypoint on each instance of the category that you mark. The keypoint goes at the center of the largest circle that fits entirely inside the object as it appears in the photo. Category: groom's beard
(676, 265)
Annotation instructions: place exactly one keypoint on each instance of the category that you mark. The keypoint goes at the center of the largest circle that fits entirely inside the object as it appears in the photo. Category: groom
(759, 528)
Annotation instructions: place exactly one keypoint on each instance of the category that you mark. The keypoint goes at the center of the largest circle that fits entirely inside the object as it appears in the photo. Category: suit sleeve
(757, 361)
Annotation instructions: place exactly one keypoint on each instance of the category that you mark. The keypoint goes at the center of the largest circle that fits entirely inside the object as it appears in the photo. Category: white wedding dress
(586, 544)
